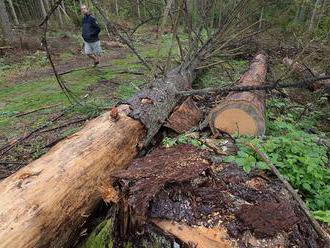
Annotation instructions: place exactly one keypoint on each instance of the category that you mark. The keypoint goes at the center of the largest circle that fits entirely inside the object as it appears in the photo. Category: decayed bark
(243, 113)
(188, 193)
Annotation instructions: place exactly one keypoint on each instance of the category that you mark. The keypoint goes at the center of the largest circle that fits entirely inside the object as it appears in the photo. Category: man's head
(84, 9)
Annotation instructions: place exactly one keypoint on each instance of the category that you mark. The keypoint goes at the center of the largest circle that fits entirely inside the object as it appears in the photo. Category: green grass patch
(127, 90)
(223, 74)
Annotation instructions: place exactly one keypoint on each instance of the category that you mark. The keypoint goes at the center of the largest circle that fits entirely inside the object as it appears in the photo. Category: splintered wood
(208, 204)
(185, 117)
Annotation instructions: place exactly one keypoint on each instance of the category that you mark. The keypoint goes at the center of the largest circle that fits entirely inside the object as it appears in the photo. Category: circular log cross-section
(243, 112)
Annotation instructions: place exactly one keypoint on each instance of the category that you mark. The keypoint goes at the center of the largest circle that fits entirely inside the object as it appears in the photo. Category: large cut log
(243, 112)
(46, 203)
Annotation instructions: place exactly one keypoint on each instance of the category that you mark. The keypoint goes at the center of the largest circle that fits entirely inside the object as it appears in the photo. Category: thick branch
(268, 86)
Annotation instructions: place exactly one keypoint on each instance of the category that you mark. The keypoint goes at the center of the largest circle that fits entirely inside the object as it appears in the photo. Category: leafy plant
(323, 216)
(297, 155)
(182, 139)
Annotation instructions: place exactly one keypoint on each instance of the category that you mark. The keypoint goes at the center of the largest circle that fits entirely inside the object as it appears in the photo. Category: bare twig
(294, 194)
(68, 93)
(64, 125)
(36, 110)
(10, 145)
(100, 67)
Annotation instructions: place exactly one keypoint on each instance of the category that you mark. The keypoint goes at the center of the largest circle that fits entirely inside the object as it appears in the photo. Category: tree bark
(45, 203)
(243, 113)
(13, 12)
(5, 23)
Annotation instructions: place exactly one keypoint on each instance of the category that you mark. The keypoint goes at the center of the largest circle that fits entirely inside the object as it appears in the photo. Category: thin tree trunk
(13, 12)
(314, 15)
(117, 9)
(43, 9)
(5, 23)
(138, 9)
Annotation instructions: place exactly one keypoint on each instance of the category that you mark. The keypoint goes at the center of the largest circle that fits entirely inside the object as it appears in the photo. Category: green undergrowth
(101, 236)
(223, 74)
(180, 140)
(295, 151)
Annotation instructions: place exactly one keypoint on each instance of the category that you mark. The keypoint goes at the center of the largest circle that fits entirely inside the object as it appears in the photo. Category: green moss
(101, 236)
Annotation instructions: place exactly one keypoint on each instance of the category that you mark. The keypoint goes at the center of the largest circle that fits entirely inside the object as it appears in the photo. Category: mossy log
(243, 112)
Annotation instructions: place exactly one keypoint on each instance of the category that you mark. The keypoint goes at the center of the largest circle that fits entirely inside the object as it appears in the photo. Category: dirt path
(76, 61)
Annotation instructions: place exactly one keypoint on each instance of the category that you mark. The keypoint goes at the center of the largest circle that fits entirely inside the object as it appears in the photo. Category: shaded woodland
(206, 124)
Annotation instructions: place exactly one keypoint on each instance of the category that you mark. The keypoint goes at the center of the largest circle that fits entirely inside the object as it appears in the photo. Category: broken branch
(268, 86)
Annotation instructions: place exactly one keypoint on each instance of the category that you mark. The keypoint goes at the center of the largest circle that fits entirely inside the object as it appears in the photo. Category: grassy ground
(97, 89)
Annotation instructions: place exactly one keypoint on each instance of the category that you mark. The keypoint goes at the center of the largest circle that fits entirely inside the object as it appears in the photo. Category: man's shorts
(93, 48)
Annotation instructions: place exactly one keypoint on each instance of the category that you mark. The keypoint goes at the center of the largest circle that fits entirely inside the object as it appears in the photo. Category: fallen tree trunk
(46, 203)
(243, 112)
(303, 71)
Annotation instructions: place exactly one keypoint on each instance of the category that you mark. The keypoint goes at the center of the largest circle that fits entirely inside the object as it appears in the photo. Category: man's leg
(95, 58)
(89, 51)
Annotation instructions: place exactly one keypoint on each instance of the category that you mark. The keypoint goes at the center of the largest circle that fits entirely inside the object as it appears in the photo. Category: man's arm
(95, 25)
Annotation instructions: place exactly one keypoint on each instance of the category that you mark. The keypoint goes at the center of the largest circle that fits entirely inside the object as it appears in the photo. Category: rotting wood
(294, 194)
(185, 193)
(184, 117)
(243, 112)
(199, 236)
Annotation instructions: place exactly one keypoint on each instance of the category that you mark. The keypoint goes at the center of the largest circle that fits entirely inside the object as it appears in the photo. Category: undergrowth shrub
(297, 154)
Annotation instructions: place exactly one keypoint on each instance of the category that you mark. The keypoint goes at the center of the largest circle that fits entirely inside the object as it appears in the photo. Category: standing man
(90, 33)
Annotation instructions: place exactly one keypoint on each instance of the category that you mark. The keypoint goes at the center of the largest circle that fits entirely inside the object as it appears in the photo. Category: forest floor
(35, 114)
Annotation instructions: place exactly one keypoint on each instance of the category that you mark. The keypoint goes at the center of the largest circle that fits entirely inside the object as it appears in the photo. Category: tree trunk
(314, 15)
(302, 72)
(45, 203)
(243, 113)
(43, 9)
(13, 12)
(5, 23)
